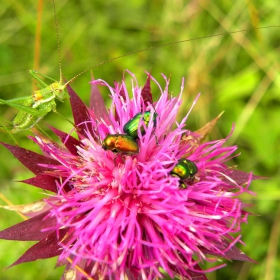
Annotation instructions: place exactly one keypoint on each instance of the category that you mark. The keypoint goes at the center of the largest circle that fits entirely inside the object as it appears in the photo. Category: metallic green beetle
(184, 169)
(126, 143)
(131, 127)
(120, 143)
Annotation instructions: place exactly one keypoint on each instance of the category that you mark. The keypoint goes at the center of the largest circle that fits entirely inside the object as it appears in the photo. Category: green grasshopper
(34, 108)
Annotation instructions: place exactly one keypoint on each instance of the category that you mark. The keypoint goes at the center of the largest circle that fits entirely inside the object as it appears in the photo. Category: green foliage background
(238, 74)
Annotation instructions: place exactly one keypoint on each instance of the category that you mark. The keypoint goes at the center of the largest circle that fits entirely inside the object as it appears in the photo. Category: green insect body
(120, 143)
(131, 127)
(192, 168)
(33, 108)
(184, 169)
(25, 120)
(126, 143)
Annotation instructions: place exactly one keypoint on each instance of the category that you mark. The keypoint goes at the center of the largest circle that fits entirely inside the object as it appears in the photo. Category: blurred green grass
(238, 74)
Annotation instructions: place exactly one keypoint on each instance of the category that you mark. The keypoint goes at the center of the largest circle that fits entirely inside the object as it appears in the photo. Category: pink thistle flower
(124, 216)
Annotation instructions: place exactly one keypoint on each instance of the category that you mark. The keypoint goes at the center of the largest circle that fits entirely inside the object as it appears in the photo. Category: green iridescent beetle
(120, 143)
(131, 127)
(184, 169)
(126, 143)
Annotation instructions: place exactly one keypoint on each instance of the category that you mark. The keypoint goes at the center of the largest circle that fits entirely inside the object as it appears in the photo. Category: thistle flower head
(119, 213)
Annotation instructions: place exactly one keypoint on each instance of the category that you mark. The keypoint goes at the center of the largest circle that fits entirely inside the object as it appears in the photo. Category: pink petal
(97, 105)
(235, 254)
(193, 274)
(80, 113)
(30, 159)
(68, 141)
(44, 182)
(241, 177)
(147, 92)
(232, 254)
(197, 276)
(47, 248)
(29, 230)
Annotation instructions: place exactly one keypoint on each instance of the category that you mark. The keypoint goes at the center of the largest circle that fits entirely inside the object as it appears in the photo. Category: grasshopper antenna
(58, 43)
(164, 45)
